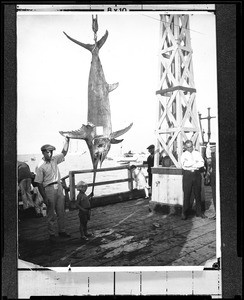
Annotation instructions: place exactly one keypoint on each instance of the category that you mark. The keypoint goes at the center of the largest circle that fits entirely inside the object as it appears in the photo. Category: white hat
(80, 184)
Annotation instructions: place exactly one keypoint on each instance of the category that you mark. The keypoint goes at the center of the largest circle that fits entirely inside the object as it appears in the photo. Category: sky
(52, 75)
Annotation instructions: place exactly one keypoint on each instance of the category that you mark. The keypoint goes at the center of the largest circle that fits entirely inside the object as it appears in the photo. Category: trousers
(55, 208)
(83, 224)
(150, 179)
(192, 182)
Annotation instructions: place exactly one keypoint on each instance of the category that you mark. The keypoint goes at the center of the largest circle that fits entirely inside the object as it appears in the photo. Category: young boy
(84, 206)
(140, 179)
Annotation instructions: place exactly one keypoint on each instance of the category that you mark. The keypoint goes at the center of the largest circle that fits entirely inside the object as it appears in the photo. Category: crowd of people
(45, 188)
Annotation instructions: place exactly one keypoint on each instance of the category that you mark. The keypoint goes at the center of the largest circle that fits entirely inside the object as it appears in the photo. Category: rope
(95, 29)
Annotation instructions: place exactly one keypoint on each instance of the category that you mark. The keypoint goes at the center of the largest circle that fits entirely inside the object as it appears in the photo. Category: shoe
(88, 234)
(201, 216)
(84, 239)
(64, 235)
(183, 217)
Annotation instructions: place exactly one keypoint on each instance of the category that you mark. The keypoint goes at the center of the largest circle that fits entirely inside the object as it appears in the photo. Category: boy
(140, 179)
(84, 206)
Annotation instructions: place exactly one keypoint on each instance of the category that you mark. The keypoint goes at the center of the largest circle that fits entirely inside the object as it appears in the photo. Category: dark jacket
(23, 171)
(150, 163)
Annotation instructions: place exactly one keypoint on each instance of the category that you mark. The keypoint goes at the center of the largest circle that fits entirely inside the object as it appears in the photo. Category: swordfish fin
(120, 132)
(112, 87)
(102, 40)
(86, 46)
(89, 47)
(114, 141)
(81, 133)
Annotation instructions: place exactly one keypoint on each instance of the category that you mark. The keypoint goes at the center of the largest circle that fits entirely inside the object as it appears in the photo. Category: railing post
(72, 185)
(130, 182)
(66, 192)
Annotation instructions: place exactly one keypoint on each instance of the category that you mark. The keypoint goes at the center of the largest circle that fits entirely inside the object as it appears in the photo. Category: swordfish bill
(99, 114)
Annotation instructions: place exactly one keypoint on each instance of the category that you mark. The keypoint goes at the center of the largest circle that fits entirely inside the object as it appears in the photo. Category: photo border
(227, 111)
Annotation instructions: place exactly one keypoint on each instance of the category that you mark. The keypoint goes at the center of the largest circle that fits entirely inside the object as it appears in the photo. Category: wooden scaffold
(177, 113)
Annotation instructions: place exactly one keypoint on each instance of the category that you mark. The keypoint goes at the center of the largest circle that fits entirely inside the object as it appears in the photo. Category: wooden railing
(72, 185)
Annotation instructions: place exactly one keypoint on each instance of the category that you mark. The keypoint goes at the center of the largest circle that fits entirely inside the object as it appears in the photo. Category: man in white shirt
(191, 162)
(50, 188)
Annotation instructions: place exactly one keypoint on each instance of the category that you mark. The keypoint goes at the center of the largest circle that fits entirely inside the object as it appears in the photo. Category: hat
(150, 147)
(47, 147)
(80, 184)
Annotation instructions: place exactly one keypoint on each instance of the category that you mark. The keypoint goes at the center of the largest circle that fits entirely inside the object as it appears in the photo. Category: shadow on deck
(124, 234)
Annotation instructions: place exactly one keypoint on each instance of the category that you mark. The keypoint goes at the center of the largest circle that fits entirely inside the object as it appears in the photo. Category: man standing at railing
(150, 164)
(50, 187)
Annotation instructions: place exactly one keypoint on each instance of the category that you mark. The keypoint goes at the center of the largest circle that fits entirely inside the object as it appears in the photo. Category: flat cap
(47, 147)
(150, 147)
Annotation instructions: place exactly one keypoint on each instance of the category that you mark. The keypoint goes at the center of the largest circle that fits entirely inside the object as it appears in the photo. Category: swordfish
(98, 131)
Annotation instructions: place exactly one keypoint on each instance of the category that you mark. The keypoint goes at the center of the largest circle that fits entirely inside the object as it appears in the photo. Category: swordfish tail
(90, 47)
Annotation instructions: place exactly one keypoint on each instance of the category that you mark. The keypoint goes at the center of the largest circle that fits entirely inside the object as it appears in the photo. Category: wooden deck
(124, 234)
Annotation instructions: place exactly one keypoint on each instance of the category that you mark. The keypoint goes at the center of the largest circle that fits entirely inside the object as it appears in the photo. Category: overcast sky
(52, 75)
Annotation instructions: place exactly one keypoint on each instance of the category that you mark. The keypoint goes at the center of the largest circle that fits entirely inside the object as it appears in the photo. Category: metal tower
(177, 113)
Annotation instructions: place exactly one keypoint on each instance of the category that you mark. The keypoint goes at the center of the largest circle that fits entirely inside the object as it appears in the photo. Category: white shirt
(48, 172)
(139, 178)
(210, 149)
(191, 161)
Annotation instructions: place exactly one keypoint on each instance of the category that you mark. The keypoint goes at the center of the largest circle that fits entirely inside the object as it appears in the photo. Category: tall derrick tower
(177, 113)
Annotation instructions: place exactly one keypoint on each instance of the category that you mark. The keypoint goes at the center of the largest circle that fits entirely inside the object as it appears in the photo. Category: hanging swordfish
(98, 131)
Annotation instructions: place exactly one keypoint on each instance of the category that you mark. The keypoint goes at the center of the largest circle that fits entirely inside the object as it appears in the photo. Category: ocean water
(76, 162)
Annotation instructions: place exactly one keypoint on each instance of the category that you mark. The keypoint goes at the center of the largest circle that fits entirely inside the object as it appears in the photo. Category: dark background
(229, 63)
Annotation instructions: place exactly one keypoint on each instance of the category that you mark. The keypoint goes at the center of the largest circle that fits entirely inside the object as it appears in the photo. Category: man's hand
(66, 146)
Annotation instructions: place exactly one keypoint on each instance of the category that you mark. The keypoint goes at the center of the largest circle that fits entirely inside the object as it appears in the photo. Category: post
(177, 115)
(209, 130)
(209, 123)
(130, 181)
(66, 192)
(72, 185)
(200, 124)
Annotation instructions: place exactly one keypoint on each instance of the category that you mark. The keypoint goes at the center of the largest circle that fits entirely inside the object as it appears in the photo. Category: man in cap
(150, 164)
(51, 190)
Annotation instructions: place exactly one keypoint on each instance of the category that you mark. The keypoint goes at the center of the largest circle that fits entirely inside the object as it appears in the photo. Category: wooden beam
(172, 89)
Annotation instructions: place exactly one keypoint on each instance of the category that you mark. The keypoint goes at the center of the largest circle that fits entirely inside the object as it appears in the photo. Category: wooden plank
(110, 182)
(175, 88)
(164, 250)
(168, 171)
(103, 169)
(173, 238)
(192, 258)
